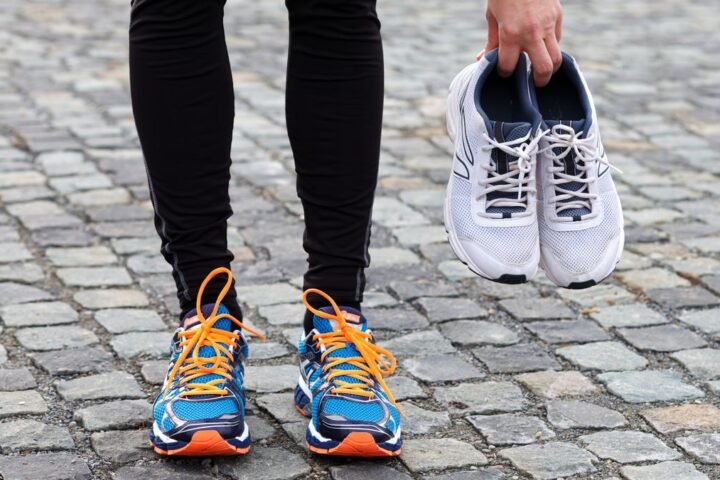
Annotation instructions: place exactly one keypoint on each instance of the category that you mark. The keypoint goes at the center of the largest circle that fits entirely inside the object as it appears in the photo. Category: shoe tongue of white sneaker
(508, 131)
(577, 125)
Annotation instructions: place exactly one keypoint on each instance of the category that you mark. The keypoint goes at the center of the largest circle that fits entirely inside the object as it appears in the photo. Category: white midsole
(165, 439)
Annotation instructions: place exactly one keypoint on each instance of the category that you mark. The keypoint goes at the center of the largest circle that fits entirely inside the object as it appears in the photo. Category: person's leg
(183, 102)
(334, 118)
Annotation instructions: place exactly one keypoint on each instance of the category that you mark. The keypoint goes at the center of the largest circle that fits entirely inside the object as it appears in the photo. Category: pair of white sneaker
(530, 184)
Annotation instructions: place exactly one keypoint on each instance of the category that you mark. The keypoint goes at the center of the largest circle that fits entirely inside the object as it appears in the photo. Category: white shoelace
(585, 155)
(515, 180)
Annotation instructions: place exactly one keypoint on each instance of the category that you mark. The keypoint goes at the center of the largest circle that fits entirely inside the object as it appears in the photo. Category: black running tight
(182, 97)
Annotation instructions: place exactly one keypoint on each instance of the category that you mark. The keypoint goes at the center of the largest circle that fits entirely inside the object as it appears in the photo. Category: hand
(532, 26)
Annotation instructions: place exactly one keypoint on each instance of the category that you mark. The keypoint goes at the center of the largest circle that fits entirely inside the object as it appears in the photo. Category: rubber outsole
(356, 444)
(204, 443)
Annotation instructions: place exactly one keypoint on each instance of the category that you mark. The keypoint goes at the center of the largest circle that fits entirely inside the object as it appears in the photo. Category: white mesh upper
(581, 251)
(510, 245)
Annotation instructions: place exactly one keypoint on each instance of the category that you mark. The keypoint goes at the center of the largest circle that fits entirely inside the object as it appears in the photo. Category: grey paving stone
(663, 471)
(13, 252)
(111, 298)
(81, 256)
(48, 466)
(436, 453)
(154, 371)
(440, 309)
(268, 379)
(427, 342)
(551, 460)
(651, 278)
(707, 321)
(683, 297)
(36, 314)
(604, 356)
(516, 358)
(23, 272)
(536, 308)
(628, 447)
(441, 368)
(62, 237)
(662, 338)
(122, 446)
(417, 420)
(557, 384)
(12, 293)
(701, 362)
(422, 287)
(567, 331)
(490, 473)
(24, 435)
(649, 386)
(634, 315)
(364, 470)
(705, 447)
(260, 428)
(469, 332)
(271, 463)
(117, 414)
(143, 264)
(511, 429)
(280, 406)
(3, 355)
(24, 402)
(75, 360)
(398, 319)
(270, 294)
(267, 350)
(164, 471)
(146, 344)
(597, 296)
(94, 276)
(100, 386)
(123, 320)
(404, 388)
(283, 314)
(55, 338)
(14, 379)
(565, 414)
(683, 417)
(482, 398)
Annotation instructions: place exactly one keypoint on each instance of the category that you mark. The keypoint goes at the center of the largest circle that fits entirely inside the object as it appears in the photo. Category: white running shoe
(581, 221)
(490, 207)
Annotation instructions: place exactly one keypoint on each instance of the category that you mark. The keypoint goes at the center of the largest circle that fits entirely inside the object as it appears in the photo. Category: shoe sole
(204, 443)
(451, 122)
(356, 444)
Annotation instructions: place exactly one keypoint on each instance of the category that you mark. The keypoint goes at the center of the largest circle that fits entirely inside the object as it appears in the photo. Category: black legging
(182, 97)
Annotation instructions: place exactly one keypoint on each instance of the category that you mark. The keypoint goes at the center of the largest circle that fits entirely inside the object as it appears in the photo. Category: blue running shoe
(341, 386)
(201, 409)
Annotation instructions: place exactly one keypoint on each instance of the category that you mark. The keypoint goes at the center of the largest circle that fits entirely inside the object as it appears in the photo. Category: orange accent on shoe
(372, 365)
(357, 444)
(302, 412)
(205, 443)
(190, 367)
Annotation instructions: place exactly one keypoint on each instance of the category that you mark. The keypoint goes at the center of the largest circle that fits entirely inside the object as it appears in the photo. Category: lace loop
(372, 365)
(190, 367)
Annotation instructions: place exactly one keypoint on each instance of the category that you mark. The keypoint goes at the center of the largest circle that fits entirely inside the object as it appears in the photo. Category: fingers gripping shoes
(490, 207)
(580, 217)
(201, 408)
(341, 386)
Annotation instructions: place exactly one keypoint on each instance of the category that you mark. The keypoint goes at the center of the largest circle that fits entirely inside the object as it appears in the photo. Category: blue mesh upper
(352, 407)
(201, 407)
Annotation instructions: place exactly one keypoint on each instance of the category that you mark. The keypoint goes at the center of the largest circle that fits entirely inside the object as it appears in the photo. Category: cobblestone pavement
(515, 382)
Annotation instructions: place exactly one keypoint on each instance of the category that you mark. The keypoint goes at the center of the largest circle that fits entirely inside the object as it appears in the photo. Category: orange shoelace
(191, 367)
(372, 365)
